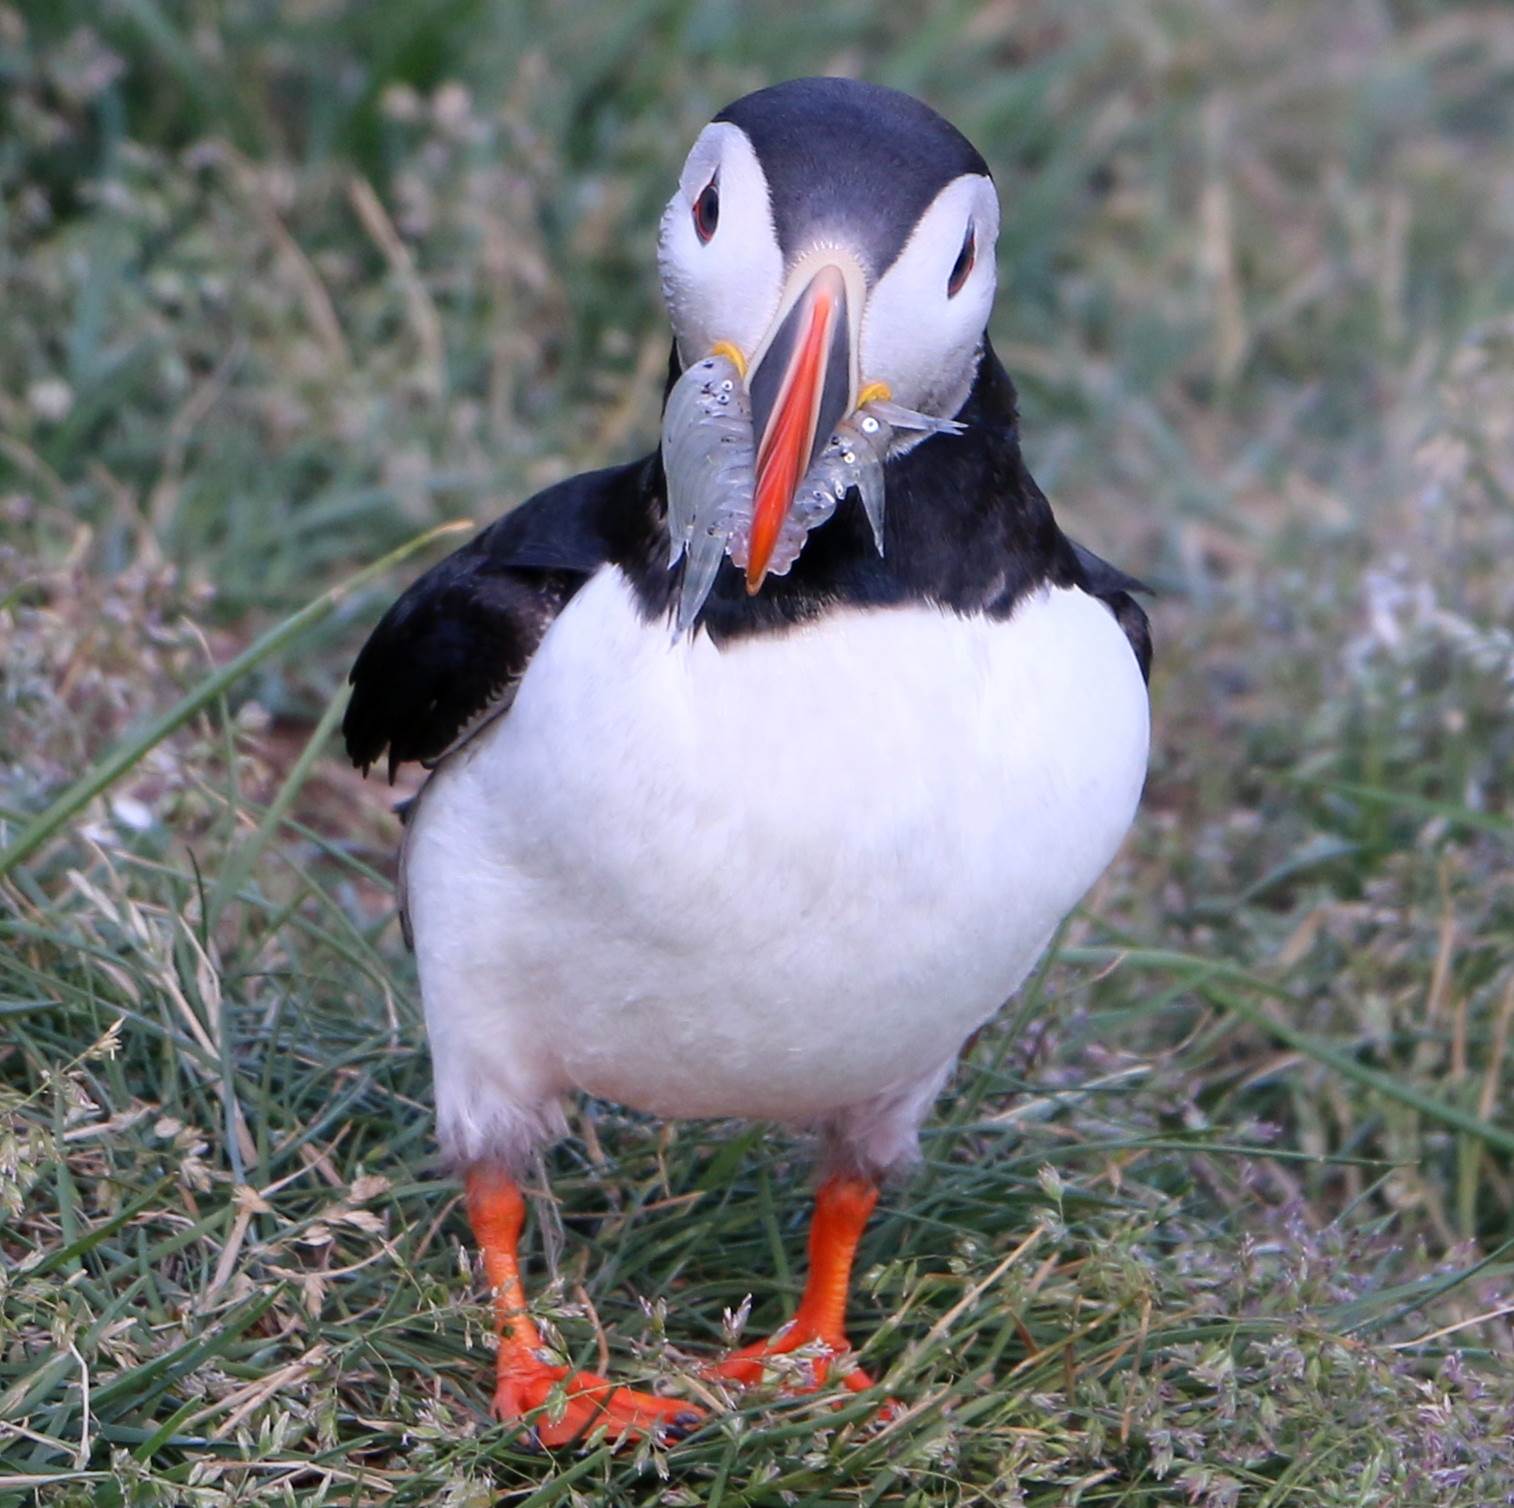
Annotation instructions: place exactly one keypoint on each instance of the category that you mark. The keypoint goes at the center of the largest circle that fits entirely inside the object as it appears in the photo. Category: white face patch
(917, 336)
(919, 332)
(727, 287)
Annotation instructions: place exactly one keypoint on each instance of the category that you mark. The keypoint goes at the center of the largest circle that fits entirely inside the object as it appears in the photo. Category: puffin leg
(842, 1208)
(569, 1403)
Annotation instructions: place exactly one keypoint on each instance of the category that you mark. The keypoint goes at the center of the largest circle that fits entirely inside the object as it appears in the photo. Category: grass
(1220, 1213)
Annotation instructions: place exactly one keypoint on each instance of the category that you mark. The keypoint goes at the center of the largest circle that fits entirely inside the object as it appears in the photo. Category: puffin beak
(803, 383)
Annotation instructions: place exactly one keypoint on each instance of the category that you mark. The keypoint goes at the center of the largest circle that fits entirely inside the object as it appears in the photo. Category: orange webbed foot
(842, 1208)
(561, 1403)
(746, 1366)
(570, 1405)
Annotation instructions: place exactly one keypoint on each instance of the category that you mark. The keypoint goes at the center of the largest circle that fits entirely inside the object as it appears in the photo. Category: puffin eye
(707, 211)
(964, 263)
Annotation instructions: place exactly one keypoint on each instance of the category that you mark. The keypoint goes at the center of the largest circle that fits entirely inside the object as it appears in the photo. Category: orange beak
(803, 384)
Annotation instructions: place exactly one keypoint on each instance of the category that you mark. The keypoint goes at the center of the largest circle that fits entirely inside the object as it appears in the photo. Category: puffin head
(829, 253)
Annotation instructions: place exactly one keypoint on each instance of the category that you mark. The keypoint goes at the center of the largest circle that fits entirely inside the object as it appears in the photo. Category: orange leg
(526, 1382)
(842, 1208)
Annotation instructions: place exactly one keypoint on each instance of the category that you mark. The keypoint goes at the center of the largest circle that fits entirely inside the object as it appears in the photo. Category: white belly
(769, 880)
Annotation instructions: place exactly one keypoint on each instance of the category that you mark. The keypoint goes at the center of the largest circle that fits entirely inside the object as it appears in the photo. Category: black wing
(448, 656)
(1115, 587)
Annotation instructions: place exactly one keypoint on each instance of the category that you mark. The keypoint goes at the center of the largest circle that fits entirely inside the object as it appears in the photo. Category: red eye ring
(707, 211)
(964, 263)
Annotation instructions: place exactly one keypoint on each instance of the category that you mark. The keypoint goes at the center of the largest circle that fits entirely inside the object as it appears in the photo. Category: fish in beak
(757, 454)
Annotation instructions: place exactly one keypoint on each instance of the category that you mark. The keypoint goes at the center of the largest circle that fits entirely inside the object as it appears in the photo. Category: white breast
(774, 879)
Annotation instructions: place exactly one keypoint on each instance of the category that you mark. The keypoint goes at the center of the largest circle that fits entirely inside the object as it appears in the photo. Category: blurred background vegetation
(283, 285)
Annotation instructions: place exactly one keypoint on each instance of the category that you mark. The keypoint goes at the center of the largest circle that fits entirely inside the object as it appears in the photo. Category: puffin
(764, 767)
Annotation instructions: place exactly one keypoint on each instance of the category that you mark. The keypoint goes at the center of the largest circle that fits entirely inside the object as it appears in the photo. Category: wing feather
(447, 657)
(1117, 589)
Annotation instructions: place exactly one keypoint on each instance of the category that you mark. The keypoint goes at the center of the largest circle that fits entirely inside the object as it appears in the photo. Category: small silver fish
(709, 459)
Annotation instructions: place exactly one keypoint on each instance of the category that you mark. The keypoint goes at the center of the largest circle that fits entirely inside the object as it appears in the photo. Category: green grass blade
(1208, 976)
(1424, 806)
(109, 770)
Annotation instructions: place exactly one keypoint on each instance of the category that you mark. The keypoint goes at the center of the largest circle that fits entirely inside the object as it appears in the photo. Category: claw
(683, 1423)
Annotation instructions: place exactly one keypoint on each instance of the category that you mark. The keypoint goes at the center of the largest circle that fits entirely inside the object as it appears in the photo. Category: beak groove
(801, 389)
